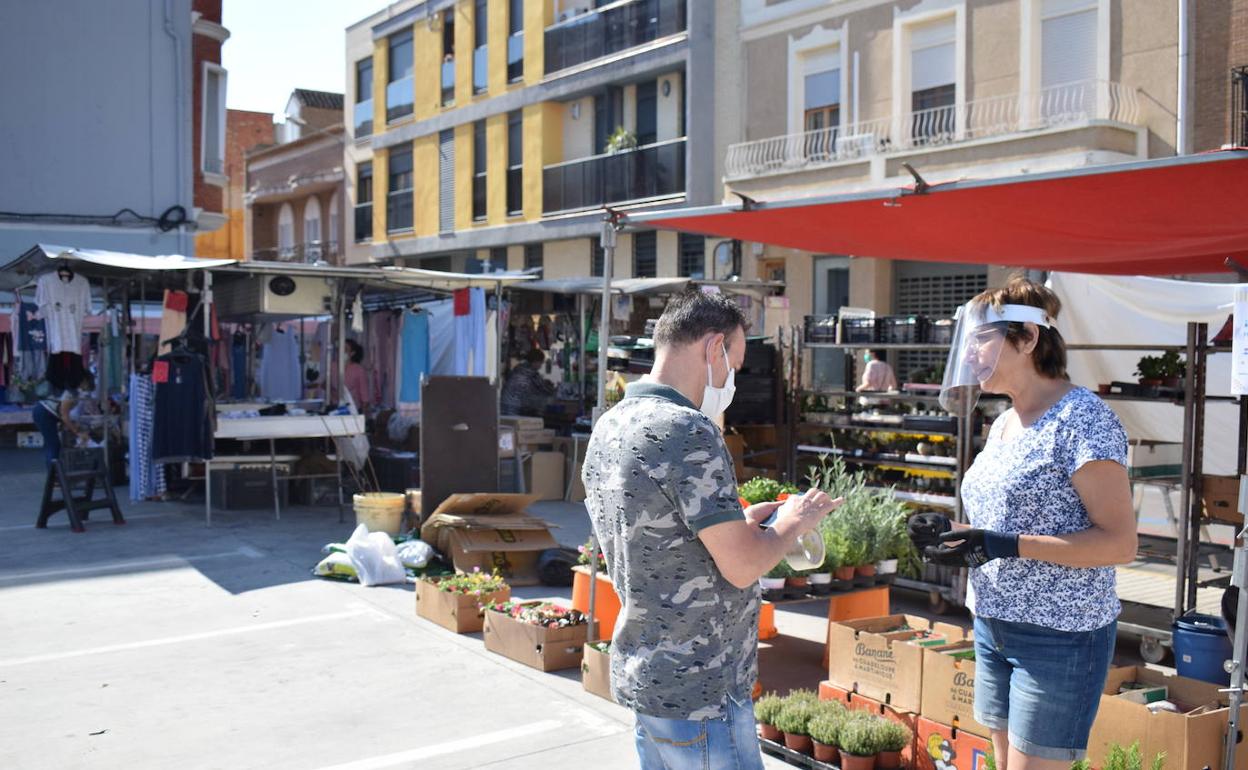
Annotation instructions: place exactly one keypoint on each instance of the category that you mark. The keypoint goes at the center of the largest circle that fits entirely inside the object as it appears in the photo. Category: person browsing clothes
(1050, 512)
(684, 557)
(52, 415)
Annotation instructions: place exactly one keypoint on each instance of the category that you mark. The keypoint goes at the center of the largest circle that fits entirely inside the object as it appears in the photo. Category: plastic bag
(415, 554)
(336, 566)
(374, 557)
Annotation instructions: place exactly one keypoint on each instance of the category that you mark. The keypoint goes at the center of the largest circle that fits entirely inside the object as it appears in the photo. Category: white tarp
(1114, 310)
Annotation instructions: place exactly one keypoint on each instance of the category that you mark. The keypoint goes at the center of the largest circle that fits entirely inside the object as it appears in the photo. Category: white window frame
(1029, 50)
(313, 204)
(285, 226)
(335, 222)
(819, 50)
(925, 13)
(212, 177)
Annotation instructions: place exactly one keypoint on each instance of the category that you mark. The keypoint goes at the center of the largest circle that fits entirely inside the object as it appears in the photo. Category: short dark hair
(691, 315)
(535, 357)
(1049, 355)
(354, 351)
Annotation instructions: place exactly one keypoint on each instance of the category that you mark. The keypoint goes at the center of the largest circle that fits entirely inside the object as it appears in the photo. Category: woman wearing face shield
(1050, 512)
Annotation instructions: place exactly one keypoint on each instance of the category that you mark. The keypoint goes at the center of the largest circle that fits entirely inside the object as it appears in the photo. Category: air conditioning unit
(275, 296)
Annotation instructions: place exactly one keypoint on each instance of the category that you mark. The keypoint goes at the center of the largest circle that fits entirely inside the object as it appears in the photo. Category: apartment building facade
(837, 96)
(486, 134)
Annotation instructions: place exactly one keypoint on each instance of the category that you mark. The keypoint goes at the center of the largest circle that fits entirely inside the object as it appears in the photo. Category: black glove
(976, 548)
(926, 528)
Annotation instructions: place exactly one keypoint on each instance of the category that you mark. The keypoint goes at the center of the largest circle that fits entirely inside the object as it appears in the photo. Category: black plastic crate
(821, 328)
(901, 329)
(856, 330)
(940, 332)
(236, 489)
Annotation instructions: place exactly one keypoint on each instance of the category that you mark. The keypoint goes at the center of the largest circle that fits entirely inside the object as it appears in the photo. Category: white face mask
(716, 400)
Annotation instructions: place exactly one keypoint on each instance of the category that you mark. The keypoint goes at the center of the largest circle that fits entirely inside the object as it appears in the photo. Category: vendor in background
(52, 415)
(878, 375)
(356, 377)
(1050, 514)
(526, 391)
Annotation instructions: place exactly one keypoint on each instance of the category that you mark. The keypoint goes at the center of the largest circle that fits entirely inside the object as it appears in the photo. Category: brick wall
(243, 131)
(1220, 43)
(203, 49)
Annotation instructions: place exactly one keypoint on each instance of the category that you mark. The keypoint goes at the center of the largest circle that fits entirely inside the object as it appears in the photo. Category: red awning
(1160, 217)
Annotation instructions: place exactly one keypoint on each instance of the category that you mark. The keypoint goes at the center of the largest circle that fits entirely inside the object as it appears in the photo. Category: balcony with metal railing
(612, 29)
(1064, 106)
(653, 172)
(308, 253)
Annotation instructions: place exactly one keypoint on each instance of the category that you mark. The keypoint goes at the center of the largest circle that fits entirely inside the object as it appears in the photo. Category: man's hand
(757, 513)
(972, 547)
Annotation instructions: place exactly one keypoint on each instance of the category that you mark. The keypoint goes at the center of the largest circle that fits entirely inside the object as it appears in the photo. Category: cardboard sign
(867, 657)
(949, 688)
(455, 612)
(941, 747)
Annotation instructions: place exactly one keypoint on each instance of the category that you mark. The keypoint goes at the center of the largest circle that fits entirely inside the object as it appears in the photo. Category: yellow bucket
(380, 511)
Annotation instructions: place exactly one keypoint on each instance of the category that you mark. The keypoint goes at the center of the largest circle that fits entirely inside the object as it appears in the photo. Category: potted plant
(584, 551)
(858, 744)
(798, 580)
(766, 709)
(1167, 369)
(794, 722)
(1129, 758)
(620, 140)
(775, 578)
(891, 738)
(824, 728)
(821, 581)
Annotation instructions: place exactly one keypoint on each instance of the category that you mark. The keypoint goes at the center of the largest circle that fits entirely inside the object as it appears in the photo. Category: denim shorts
(1042, 686)
(727, 743)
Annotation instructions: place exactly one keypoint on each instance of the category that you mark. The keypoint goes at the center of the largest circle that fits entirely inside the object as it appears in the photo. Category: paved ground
(165, 643)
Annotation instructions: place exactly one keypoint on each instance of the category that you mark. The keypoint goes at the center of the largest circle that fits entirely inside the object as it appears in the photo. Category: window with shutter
(446, 181)
(1068, 58)
(933, 81)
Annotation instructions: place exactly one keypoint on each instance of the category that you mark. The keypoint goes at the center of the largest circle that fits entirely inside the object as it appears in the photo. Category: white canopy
(95, 263)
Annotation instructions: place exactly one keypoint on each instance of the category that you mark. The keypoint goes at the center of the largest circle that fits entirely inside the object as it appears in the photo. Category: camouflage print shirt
(657, 472)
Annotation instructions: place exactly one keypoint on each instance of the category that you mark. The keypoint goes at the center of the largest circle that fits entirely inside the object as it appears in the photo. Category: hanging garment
(281, 377)
(172, 317)
(441, 337)
(63, 305)
(185, 410)
(147, 479)
(414, 355)
(470, 335)
(357, 314)
(110, 357)
(238, 363)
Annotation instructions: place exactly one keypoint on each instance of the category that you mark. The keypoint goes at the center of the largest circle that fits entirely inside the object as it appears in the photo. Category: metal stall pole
(1197, 362)
(580, 334)
(1185, 495)
(103, 383)
(500, 355)
(342, 385)
(607, 238)
(1239, 577)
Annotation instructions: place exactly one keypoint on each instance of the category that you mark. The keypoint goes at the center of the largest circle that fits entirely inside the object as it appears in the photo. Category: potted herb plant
(766, 709)
(794, 722)
(891, 738)
(858, 744)
(824, 728)
(798, 580)
(1167, 369)
(1129, 758)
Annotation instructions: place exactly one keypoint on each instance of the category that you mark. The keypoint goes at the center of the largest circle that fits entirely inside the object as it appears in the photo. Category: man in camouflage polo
(684, 558)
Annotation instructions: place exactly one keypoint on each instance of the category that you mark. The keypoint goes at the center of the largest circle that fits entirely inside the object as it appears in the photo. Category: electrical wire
(170, 219)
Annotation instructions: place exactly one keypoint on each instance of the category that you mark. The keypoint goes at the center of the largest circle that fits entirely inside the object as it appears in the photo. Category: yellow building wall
(381, 62)
(463, 176)
(425, 184)
(566, 259)
(497, 42)
(381, 166)
(496, 169)
(515, 257)
(541, 121)
(537, 17)
(226, 242)
(427, 70)
(463, 52)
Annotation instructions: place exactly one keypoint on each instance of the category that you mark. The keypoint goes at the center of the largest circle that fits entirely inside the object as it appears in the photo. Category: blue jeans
(1041, 685)
(730, 742)
(50, 428)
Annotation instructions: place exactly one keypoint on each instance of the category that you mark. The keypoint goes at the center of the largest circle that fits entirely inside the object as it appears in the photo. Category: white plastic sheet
(374, 557)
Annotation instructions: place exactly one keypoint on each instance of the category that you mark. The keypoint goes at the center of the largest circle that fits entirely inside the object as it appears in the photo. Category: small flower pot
(1152, 382)
(770, 732)
(821, 578)
(888, 760)
(797, 582)
(824, 752)
(886, 567)
(1104, 388)
(852, 762)
(800, 743)
(844, 573)
(771, 584)
(865, 570)
(1173, 382)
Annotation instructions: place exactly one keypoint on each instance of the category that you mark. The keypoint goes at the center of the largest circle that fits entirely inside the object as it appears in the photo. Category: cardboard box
(1149, 459)
(596, 672)
(942, 747)
(1191, 741)
(490, 531)
(456, 612)
(522, 423)
(736, 448)
(536, 438)
(852, 700)
(1220, 495)
(949, 688)
(545, 475)
(864, 656)
(545, 649)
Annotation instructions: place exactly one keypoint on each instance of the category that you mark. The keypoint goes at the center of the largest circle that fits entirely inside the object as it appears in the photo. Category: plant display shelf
(788, 595)
(849, 457)
(797, 758)
(874, 429)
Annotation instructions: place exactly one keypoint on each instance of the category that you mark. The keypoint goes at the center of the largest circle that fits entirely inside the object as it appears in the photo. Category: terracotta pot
(800, 743)
(1104, 388)
(770, 732)
(824, 752)
(888, 760)
(851, 762)
(1151, 382)
(797, 582)
(843, 573)
(1173, 382)
(865, 570)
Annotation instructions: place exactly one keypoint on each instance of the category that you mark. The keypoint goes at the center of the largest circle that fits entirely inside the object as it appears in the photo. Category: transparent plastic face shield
(978, 337)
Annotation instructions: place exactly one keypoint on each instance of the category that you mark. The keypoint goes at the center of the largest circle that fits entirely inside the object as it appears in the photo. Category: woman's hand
(972, 547)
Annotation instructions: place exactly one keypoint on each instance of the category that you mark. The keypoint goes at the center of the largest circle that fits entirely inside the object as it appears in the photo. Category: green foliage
(794, 718)
(767, 708)
(858, 737)
(868, 527)
(891, 736)
(761, 489)
(781, 570)
(1161, 367)
(825, 727)
(1083, 764)
(1129, 758)
(621, 139)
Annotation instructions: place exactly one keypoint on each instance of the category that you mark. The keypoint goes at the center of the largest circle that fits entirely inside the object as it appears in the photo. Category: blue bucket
(1201, 646)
